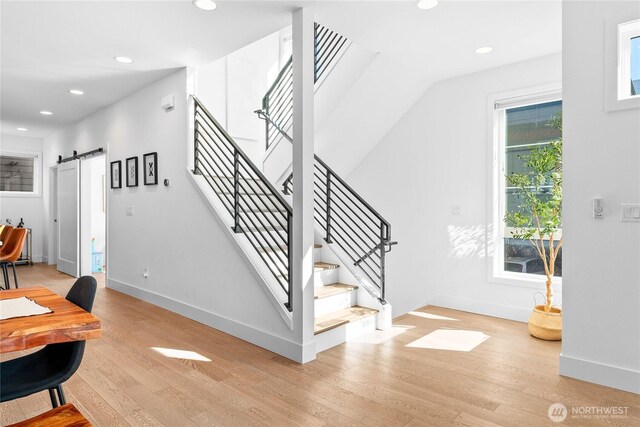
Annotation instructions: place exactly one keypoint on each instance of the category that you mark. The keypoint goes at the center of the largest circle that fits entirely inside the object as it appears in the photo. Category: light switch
(630, 212)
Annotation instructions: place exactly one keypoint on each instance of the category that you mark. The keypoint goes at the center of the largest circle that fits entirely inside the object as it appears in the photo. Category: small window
(19, 174)
(629, 60)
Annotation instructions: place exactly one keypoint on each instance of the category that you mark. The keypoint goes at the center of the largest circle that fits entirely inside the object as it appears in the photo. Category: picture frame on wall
(132, 171)
(116, 174)
(150, 161)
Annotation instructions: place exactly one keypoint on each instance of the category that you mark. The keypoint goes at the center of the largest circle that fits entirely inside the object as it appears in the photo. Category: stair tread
(317, 246)
(333, 289)
(324, 266)
(341, 317)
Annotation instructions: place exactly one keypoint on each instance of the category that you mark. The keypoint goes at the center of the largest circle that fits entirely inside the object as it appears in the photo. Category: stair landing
(342, 317)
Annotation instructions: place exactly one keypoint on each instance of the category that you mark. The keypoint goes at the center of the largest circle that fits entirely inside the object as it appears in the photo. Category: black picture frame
(132, 171)
(116, 174)
(150, 161)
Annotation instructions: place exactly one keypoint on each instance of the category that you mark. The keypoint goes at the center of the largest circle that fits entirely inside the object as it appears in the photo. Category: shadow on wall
(469, 241)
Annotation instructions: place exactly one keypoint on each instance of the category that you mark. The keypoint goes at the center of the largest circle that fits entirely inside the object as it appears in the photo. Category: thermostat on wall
(167, 103)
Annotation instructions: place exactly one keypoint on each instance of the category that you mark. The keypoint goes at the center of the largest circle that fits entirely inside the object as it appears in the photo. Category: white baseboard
(278, 345)
(598, 373)
(45, 259)
(481, 307)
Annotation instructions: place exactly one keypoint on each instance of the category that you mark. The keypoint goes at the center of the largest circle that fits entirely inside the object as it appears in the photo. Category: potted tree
(538, 219)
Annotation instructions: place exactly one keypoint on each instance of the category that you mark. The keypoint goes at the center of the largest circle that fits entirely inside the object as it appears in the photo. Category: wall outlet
(456, 211)
(129, 210)
(145, 272)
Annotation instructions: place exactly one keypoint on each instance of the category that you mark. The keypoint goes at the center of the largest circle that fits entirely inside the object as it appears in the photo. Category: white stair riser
(325, 277)
(341, 334)
(335, 303)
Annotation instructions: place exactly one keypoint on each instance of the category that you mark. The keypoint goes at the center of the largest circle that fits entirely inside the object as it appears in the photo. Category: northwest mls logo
(557, 412)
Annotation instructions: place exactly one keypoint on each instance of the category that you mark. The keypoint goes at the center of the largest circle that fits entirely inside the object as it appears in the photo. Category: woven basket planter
(546, 325)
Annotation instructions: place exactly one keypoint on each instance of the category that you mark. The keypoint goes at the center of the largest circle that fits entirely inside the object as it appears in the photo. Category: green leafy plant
(538, 217)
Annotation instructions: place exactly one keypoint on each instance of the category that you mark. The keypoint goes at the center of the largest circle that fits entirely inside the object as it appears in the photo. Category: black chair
(48, 368)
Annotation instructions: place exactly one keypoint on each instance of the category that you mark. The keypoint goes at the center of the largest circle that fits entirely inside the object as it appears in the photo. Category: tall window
(19, 174)
(523, 125)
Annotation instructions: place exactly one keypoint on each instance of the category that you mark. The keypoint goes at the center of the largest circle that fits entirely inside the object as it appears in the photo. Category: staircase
(352, 239)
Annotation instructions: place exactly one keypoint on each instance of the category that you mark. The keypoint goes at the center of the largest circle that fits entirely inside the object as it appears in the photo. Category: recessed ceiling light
(205, 4)
(123, 59)
(484, 49)
(46, 113)
(22, 129)
(427, 4)
(76, 92)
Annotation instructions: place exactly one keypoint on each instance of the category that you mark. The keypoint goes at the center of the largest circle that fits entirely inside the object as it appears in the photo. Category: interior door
(69, 218)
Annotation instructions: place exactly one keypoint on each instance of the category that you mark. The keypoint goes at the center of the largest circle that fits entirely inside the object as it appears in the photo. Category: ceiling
(49, 47)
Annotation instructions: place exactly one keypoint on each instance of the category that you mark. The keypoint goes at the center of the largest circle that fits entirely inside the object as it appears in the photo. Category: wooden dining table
(67, 322)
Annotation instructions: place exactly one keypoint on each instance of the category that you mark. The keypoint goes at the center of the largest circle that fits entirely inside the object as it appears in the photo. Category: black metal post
(289, 304)
(383, 252)
(236, 193)
(328, 236)
(195, 141)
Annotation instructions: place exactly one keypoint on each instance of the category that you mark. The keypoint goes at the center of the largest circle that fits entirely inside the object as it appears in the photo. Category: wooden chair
(5, 232)
(10, 252)
(62, 416)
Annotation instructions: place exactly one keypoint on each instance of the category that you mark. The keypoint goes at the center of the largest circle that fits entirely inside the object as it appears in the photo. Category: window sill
(18, 194)
(524, 280)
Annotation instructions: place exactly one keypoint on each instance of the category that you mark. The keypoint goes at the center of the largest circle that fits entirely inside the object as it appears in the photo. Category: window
(521, 125)
(629, 60)
(19, 174)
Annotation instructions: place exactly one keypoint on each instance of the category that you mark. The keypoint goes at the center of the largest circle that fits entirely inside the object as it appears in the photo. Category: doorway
(93, 218)
(78, 201)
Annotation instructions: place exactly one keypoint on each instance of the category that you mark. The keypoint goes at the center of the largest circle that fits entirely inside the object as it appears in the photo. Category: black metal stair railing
(258, 210)
(348, 221)
(277, 103)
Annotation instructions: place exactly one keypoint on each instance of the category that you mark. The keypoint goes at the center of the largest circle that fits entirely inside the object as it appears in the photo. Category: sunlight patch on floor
(430, 316)
(450, 339)
(378, 336)
(180, 354)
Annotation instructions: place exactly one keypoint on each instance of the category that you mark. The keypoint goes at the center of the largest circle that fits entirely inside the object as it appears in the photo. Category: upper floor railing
(277, 103)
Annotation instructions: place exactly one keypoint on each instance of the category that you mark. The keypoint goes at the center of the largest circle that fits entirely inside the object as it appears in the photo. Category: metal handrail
(347, 230)
(259, 211)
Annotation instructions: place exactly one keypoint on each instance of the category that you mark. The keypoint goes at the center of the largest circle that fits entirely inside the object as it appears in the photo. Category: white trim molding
(599, 373)
(274, 343)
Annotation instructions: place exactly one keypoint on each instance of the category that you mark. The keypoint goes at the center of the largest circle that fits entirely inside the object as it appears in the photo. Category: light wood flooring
(382, 379)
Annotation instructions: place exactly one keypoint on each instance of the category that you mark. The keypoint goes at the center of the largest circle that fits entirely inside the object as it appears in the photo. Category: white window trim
(496, 182)
(37, 174)
(626, 31)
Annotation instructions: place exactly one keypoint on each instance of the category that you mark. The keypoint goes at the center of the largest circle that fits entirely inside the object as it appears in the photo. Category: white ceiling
(50, 47)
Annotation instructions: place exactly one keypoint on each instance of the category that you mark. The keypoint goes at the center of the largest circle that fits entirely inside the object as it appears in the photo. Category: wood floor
(388, 378)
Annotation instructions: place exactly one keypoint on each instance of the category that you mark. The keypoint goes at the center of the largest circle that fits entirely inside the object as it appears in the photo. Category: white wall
(434, 159)
(194, 269)
(601, 339)
(232, 89)
(29, 208)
